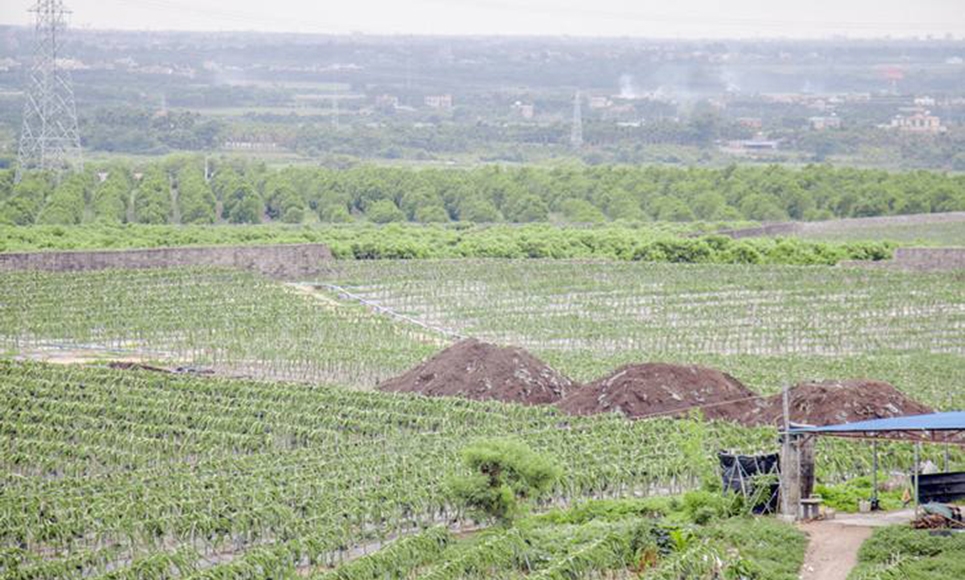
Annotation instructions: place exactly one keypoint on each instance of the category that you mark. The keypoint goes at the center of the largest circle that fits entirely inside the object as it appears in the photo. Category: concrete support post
(791, 477)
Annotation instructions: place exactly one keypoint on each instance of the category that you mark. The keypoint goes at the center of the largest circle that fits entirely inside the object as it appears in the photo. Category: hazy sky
(676, 18)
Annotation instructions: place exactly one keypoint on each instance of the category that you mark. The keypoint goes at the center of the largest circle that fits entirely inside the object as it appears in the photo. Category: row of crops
(225, 319)
(126, 474)
(765, 325)
(608, 307)
(104, 469)
(768, 326)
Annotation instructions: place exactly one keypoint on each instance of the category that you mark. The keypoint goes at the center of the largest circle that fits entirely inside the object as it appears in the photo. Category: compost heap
(482, 371)
(828, 403)
(642, 390)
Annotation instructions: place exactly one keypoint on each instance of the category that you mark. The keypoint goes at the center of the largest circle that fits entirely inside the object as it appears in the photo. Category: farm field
(139, 474)
(132, 473)
(229, 320)
(766, 325)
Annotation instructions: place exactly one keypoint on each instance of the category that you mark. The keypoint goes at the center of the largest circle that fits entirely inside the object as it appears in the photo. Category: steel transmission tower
(49, 138)
(576, 133)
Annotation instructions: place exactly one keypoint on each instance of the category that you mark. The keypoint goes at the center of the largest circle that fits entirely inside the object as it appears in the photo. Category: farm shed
(935, 428)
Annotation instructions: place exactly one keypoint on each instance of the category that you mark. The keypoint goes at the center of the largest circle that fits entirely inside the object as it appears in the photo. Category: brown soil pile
(482, 371)
(657, 389)
(828, 403)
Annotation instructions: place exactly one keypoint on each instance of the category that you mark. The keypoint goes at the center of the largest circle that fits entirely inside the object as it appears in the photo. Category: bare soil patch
(832, 551)
(642, 390)
(827, 403)
(482, 371)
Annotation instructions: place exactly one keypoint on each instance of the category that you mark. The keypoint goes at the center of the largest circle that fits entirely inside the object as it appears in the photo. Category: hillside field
(289, 465)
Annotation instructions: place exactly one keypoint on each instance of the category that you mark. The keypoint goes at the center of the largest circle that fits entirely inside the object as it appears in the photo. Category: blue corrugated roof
(951, 421)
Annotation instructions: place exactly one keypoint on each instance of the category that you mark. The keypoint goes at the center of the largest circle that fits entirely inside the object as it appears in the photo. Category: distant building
(924, 102)
(524, 110)
(819, 105)
(387, 102)
(822, 123)
(442, 102)
(251, 146)
(754, 123)
(920, 122)
(622, 109)
(600, 102)
(758, 144)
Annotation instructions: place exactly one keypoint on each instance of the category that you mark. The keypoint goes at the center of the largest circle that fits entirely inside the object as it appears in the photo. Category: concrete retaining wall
(775, 229)
(287, 262)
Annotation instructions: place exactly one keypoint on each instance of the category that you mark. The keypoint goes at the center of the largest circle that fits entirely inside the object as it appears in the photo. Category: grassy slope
(902, 553)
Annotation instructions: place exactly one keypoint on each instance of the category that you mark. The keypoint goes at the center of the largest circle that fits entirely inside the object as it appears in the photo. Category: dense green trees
(110, 197)
(152, 198)
(66, 203)
(195, 198)
(235, 191)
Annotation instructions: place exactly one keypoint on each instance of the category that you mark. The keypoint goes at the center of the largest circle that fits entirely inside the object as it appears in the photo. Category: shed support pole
(917, 470)
(790, 467)
(874, 474)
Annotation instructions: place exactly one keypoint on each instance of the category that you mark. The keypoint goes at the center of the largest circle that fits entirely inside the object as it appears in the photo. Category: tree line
(187, 190)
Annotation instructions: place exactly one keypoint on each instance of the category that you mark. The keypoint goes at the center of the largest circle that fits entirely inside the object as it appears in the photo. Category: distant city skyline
(680, 19)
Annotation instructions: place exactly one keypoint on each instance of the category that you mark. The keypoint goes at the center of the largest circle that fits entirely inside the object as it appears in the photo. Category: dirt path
(833, 549)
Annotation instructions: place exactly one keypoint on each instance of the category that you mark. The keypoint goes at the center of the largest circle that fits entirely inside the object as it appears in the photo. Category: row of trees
(183, 190)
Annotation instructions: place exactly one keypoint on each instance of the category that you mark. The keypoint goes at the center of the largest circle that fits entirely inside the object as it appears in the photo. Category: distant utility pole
(576, 133)
(49, 139)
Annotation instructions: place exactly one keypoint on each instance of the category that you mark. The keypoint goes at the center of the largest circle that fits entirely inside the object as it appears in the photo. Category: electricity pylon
(576, 132)
(49, 139)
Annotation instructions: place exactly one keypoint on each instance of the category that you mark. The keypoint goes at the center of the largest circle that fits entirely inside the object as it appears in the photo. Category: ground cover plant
(627, 538)
(845, 497)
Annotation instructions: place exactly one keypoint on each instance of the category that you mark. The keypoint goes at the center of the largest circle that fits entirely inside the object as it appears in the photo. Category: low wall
(775, 229)
(287, 262)
(919, 260)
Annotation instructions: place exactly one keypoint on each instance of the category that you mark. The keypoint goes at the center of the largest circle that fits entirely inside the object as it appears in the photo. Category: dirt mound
(641, 390)
(482, 371)
(828, 403)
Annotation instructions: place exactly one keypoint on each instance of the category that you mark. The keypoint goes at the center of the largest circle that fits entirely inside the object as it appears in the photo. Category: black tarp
(739, 474)
(941, 487)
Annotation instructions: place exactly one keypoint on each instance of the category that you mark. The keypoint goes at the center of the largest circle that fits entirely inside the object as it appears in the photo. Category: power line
(49, 139)
(576, 133)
